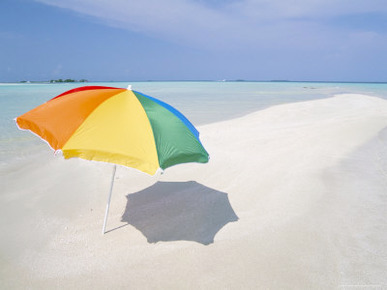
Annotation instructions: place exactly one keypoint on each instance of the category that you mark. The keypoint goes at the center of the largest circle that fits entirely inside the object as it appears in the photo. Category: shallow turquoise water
(200, 102)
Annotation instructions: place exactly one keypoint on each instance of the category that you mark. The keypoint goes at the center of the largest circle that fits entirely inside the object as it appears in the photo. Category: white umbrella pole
(108, 202)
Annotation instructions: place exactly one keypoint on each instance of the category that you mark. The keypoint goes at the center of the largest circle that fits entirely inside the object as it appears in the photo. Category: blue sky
(122, 40)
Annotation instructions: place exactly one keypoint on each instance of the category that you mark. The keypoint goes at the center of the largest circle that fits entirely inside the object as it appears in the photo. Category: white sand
(308, 182)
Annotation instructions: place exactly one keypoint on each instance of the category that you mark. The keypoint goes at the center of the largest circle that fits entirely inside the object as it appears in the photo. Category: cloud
(232, 25)
(180, 21)
(277, 9)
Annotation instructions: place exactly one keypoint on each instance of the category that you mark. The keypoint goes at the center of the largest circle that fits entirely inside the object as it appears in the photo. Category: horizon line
(195, 80)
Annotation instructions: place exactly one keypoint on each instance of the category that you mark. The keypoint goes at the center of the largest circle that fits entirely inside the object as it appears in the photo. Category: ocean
(201, 102)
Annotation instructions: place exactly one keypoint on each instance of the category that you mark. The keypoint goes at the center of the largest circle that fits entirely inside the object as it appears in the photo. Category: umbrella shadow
(176, 211)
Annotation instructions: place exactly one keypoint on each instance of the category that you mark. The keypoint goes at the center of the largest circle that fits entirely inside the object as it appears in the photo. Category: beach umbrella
(115, 125)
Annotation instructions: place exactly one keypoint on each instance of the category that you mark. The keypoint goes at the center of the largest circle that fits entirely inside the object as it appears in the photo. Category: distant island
(68, 81)
(57, 81)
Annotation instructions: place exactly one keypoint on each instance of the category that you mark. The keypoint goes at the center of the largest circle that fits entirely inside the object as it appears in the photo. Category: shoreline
(40, 144)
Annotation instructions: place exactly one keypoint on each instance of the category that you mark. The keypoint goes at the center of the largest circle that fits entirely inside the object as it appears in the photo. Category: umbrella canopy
(116, 125)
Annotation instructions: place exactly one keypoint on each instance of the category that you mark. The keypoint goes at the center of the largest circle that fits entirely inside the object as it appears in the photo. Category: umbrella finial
(129, 88)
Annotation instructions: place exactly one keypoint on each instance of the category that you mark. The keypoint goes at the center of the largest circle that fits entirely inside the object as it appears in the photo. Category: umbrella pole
(108, 202)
